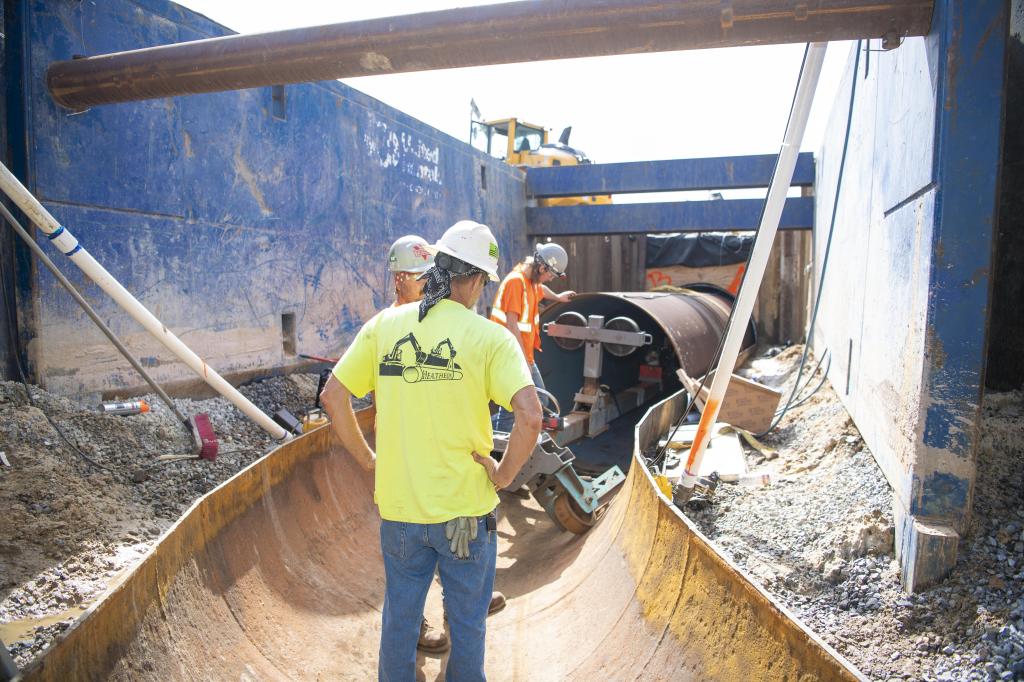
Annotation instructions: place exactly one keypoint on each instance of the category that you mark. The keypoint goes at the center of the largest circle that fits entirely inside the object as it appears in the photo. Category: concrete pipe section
(277, 574)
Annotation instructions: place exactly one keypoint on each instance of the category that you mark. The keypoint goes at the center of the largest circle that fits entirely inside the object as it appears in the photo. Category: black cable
(12, 334)
(828, 246)
(817, 388)
(92, 314)
(810, 377)
(660, 455)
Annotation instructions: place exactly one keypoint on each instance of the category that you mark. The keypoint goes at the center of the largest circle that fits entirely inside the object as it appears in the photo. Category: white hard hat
(410, 254)
(472, 243)
(553, 256)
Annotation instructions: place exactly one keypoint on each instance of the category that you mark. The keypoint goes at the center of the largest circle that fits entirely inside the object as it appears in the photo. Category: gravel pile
(820, 539)
(72, 527)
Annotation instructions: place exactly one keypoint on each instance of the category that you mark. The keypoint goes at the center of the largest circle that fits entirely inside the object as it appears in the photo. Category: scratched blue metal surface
(906, 302)
(726, 172)
(676, 216)
(968, 141)
(221, 217)
(941, 495)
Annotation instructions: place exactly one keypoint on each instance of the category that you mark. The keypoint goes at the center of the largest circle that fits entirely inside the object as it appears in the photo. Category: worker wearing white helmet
(434, 368)
(517, 306)
(408, 258)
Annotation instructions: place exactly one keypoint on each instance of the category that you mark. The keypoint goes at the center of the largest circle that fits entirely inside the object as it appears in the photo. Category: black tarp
(697, 250)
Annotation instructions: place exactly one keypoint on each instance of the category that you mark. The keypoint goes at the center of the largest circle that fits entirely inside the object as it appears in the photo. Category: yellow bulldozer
(526, 144)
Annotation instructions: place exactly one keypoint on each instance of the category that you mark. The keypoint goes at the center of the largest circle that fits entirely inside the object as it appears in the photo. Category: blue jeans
(503, 419)
(411, 553)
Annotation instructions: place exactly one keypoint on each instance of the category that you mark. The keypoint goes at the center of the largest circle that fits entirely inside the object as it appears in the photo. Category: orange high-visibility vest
(529, 320)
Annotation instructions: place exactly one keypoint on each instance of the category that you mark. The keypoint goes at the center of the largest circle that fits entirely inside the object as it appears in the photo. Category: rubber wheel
(570, 517)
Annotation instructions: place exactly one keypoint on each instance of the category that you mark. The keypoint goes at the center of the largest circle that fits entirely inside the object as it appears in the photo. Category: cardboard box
(747, 405)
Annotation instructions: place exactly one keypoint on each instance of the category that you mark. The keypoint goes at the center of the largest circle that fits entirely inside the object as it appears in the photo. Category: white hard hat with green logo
(473, 243)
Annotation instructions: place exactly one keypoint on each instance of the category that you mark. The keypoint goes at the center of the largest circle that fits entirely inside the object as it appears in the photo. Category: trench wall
(1006, 336)
(234, 217)
(907, 292)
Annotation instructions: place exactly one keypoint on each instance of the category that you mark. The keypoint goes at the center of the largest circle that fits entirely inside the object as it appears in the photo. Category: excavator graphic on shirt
(437, 365)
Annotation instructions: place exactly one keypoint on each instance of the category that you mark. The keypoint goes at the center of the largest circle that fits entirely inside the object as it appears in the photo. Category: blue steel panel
(940, 495)
(972, 36)
(221, 217)
(148, 176)
(677, 216)
(727, 172)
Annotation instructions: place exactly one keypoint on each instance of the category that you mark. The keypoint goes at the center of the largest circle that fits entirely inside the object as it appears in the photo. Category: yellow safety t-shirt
(432, 381)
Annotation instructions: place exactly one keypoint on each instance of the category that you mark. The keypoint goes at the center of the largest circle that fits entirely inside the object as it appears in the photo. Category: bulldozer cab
(525, 144)
(509, 139)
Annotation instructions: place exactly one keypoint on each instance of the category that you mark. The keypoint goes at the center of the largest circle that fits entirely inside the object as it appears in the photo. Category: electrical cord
(88, 309)
(13, 337)
(810, 377)
(659, 457)
(810, 395)
(828, 247)
(828, 366)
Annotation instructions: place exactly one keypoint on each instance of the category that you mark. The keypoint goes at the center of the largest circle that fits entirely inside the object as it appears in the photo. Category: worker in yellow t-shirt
(433, 367)
(517, 307)
(408, 258)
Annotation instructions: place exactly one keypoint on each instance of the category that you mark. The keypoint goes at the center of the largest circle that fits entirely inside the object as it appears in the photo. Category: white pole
(69, 246)
(744, 305)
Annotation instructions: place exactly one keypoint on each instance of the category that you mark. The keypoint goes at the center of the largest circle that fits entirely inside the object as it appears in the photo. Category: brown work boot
(497, 603)
(432, 640)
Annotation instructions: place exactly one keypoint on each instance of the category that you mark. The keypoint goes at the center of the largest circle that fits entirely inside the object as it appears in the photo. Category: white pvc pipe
(69, 246)
(744, 304)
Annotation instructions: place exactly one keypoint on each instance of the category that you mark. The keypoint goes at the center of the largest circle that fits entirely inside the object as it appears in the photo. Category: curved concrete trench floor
(277, 574)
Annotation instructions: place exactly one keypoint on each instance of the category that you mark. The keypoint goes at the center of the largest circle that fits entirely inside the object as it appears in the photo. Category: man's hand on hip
(489, 465)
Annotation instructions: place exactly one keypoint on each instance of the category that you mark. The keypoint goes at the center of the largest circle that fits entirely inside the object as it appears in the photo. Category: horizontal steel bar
(614, 336)
(725, 172)
(678, 216)
(471, 36)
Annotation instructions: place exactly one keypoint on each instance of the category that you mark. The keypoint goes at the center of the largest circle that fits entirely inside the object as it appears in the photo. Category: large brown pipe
(475, 36)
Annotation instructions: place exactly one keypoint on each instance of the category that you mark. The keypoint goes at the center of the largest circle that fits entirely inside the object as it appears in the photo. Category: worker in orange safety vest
(517, 307)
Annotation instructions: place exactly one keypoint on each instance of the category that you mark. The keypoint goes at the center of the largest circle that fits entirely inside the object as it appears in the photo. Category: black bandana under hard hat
(438, 285)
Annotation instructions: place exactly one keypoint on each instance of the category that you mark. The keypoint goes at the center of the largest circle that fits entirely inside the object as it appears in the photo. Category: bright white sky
(626, 108)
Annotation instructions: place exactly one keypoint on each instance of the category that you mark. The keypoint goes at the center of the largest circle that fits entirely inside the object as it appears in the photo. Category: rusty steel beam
(473, 36)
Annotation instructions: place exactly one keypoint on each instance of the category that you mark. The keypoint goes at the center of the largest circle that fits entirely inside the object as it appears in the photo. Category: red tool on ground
(204, 439)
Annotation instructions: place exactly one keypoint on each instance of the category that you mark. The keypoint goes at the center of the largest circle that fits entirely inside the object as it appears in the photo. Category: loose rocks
(821, 541)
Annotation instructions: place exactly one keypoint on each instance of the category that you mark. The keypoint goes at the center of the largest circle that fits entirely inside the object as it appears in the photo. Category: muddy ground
(84, 503)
